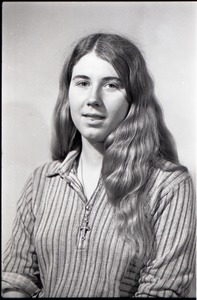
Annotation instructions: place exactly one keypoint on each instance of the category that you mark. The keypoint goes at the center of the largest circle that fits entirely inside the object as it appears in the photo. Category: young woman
(113, 214)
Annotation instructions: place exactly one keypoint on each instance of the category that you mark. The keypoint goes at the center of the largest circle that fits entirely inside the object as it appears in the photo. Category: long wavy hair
(133, 149)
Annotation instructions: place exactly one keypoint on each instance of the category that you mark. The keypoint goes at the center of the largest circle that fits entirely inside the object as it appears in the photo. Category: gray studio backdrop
(36, 38)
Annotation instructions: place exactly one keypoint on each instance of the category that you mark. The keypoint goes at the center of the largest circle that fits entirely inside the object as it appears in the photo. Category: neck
(90, 165)
(92, 154)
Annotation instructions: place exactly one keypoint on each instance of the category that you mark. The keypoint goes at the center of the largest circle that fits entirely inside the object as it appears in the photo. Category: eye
(83, 84)
(111, 86)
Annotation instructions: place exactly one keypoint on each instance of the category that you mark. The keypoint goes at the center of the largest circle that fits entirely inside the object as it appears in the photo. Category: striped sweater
(64, 246)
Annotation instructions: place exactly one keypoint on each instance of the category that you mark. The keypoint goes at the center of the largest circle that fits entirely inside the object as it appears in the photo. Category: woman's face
(97, 98)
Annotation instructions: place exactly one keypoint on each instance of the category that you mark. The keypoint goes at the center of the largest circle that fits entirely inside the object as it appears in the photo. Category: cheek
(73, 102)
(73, 110)
(74, 114)
(121, 111)
(118, 115)
(71, 98)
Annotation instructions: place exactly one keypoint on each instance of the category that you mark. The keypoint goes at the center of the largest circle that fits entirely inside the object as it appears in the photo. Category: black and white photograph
(99, 149)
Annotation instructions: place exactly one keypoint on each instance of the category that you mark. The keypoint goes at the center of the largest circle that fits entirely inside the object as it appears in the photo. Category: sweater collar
(63, 169)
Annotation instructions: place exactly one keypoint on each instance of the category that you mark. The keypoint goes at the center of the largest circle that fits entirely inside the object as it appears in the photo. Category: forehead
(92, 65)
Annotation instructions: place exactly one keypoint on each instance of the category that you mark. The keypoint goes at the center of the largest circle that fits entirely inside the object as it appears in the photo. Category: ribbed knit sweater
(64, 246)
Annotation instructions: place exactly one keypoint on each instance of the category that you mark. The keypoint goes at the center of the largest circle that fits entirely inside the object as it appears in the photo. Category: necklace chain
(84, 227)
(82, 180)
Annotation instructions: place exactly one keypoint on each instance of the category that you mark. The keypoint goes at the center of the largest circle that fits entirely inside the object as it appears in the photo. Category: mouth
(93, 116)
(94, 119)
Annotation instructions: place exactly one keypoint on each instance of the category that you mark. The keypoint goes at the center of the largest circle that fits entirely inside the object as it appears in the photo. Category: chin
(94, 138)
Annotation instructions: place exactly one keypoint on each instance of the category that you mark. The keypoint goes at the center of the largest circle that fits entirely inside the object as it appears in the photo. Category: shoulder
(39, 175)
(46, 168)
(38, 183)
(165, 181)
(166, 177)
(56, 167)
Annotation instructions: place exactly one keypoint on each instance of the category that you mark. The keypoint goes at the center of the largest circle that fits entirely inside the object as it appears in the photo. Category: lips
(93, 116)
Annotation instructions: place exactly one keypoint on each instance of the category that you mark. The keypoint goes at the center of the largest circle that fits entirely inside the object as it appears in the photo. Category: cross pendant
(84, 229)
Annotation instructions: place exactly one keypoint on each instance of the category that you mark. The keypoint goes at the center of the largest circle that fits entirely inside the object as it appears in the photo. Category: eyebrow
(108, 78)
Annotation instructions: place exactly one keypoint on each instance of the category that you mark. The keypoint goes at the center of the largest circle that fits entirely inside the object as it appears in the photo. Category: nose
(94, 98)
